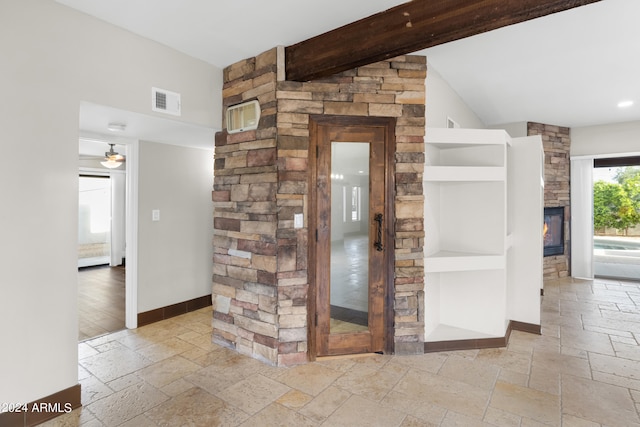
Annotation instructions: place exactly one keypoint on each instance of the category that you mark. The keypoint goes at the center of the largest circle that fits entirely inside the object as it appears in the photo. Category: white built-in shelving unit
(469, 234)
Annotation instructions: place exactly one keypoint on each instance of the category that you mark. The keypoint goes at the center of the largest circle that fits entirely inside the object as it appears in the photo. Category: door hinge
(316, 235)
(316, 319)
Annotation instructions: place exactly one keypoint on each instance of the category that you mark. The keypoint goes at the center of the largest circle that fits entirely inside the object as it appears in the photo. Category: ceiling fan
(111, 160)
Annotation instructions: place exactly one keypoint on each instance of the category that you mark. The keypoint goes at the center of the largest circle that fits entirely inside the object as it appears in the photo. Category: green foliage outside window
(617, 204)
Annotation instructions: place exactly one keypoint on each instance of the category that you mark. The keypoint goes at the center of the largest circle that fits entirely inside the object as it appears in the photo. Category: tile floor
(583, 371)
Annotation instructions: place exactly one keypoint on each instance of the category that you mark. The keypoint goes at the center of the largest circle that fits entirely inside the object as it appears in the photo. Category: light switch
(298, 220)
(155, 215)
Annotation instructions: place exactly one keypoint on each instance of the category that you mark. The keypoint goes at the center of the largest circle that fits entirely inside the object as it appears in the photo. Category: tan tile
(430, 362)
(165, 349)
(360, 411)
(311, 378)
(196, 407)
(598, 402)
(528, 422)
(454, 419)
(563, 363)
(225, 372)
(136, 341)
(294, 399)
(93, 389)
(571, 421)
(500, 418)
(617, 380)
(511, 377)
(167, 371)
(586, 340)
(107, 338)
(416, 406)
(342, 364)
(544, 380)
(253, 394)
(410, 421)
(526, 402)
(444, 392)
(126, 404)
(325, 403)
(124, 382)
(85, 350)
(278, 415)
(139, 421)
(114, 363)
(511, 360)
(80, 416)
(620, 342)
(109, 346)
(203, 340)
(625, 369)
(177, 387)
(370, 382)
(475, 373)
(83, 373)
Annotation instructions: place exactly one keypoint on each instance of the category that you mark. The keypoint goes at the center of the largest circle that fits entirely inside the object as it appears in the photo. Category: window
(356, 198)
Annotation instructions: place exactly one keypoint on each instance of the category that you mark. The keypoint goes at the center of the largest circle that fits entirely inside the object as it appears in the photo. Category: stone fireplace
(556, 141)
(260, 278)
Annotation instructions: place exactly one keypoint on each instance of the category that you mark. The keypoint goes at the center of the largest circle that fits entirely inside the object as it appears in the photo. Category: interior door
(351, 219)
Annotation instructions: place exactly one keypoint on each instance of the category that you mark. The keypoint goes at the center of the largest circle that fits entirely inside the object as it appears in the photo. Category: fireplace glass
(553, 230)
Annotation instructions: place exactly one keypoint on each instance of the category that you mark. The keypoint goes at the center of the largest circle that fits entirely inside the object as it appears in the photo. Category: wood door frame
(389, 124)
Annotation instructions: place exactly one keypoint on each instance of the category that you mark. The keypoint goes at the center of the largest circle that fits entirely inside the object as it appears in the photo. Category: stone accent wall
(260, 281)
(556, 142)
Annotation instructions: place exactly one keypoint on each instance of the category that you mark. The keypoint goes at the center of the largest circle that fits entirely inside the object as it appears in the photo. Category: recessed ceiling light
(116, 127)
(625, 104)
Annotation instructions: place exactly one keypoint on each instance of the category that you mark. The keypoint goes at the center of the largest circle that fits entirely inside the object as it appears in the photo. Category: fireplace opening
(553, 230)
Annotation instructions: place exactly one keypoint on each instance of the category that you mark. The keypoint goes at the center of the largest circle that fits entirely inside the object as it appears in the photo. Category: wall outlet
(155, 215)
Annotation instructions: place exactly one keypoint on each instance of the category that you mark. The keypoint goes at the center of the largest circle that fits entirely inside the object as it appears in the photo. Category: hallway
(582, 371)
(101, 301)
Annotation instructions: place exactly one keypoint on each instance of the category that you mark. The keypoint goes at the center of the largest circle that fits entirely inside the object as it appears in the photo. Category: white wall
(52, 59)
(615, 138)
(515, 130)
(442, 102)
(174, 254)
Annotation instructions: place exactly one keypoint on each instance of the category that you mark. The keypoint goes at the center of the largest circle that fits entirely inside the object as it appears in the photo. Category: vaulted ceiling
(570, 68)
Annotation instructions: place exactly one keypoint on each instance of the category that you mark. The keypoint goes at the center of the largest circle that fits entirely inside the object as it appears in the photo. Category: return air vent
(165, 101)
(243, 117)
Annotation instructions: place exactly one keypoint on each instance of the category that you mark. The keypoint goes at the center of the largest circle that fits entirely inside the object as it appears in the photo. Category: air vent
(165, 101)
(243, 117)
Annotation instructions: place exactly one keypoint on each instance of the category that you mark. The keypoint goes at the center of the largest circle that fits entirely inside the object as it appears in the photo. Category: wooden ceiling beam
(408, 28)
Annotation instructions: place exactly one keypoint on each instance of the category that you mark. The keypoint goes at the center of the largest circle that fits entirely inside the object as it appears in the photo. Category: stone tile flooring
(583, 371)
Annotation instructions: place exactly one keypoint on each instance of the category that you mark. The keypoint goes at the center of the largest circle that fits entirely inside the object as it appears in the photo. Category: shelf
(446, 261)
(477, 213)
(451, 333)
(464, 173)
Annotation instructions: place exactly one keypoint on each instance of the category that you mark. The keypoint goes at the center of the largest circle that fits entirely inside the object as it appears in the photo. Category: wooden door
(352, 220)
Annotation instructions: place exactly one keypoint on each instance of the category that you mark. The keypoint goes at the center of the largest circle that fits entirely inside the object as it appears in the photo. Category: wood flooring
(101, 296)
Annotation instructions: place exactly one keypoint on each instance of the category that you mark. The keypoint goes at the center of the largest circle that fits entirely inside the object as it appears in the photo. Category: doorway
(616, 218)
(101, 253)
(352, 242)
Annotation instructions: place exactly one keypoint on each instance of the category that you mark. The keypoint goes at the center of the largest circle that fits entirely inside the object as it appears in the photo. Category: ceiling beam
(408, 28)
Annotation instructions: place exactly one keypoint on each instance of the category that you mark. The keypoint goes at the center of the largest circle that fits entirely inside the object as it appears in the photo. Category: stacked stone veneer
(556, 142)
(260, 277)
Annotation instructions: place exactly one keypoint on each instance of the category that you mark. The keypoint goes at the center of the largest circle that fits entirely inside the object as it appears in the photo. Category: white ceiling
(569, 69)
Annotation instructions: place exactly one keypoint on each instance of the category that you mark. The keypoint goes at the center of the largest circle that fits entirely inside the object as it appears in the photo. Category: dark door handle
(378, 243)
